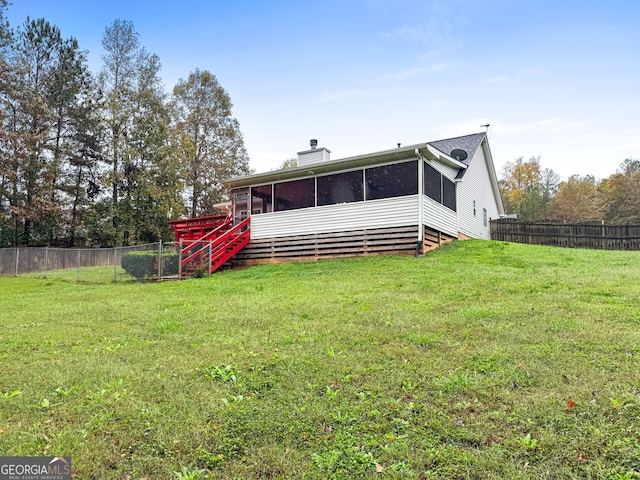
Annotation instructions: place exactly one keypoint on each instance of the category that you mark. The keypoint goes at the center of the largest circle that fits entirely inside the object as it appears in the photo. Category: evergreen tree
(28, 119)
(117, 80)
(106, 159)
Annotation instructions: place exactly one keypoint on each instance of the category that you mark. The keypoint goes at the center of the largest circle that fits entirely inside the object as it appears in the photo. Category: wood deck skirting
(307, 248)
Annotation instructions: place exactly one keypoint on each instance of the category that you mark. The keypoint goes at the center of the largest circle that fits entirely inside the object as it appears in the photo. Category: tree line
(105, 158)
(536, 194)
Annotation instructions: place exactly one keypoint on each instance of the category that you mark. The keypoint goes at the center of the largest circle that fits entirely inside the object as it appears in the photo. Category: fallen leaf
(571, 403)
(305, 436)
(582, 458)
(379, 468)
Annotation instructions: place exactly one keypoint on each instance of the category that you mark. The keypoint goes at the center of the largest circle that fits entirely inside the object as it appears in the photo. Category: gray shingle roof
(468, 143)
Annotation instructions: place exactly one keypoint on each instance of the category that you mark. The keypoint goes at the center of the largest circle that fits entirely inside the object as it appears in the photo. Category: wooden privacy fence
(573, 235)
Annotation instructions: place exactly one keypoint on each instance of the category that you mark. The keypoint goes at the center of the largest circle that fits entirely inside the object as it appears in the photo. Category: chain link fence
(168, 266)
(153, 261)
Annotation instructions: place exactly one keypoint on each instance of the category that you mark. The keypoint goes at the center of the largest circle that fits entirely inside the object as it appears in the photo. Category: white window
(474, 208)
(484, 216)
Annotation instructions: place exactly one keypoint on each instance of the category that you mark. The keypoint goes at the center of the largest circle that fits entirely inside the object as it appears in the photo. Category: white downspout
(420, 196)
(456, 183)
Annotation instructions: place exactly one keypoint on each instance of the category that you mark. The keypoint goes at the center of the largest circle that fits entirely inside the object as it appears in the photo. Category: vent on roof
(459, 154)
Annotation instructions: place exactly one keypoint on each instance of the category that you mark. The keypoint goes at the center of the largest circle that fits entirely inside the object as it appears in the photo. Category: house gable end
(468, 143)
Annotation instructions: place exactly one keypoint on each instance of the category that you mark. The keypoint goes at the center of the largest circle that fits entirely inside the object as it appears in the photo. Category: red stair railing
(194, 228)
(215, 248)
(230, 243)
(191, 244)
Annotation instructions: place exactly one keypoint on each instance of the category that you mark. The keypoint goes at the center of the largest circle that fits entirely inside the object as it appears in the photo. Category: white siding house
(393, 212)
(477, 195)
(395, 200)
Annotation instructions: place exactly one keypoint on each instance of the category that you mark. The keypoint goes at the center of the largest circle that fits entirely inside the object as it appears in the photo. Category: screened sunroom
(402, 199)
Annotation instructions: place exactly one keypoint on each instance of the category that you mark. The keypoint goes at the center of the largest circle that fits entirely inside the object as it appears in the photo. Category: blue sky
(555, 79)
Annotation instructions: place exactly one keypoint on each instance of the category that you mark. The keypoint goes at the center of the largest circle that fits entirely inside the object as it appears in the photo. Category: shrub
(145, 264)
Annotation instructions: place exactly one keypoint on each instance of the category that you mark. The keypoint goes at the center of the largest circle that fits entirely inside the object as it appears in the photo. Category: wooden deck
(307, 248)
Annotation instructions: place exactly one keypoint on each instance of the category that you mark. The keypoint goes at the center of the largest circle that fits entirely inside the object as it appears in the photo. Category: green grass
(480, 360)
(86, 274)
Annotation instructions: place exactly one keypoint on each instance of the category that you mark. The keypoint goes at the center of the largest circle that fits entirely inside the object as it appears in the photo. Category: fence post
(160, 258)
(78, 264)
(115, 264)
(180, 262)
(17, 259)
(46, 259)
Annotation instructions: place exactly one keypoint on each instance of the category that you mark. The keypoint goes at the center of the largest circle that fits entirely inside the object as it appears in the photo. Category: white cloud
(553, 125)
(567, 146)
(558, 125)
(619, 145)
(515, 77)
(436, 25)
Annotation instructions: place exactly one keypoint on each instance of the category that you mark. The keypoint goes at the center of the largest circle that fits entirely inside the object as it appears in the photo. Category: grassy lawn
(87, 274)
(480, 360)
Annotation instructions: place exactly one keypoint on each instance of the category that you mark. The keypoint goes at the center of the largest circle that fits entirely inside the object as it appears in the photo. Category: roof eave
(492, 175)
(436, 154)
(397, 154)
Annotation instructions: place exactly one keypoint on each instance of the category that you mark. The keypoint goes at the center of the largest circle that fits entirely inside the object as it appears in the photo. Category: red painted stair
(210, 246)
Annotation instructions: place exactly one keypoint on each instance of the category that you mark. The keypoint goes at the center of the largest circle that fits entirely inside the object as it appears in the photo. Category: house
(404, 200)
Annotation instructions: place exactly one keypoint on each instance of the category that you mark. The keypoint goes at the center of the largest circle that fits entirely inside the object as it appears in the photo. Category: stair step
(216, 257)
